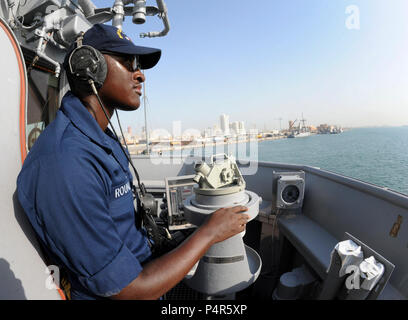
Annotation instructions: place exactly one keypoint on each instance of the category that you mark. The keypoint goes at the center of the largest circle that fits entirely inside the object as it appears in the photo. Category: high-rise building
(217, 131)
(224, 124)
(208, 132)
(235, 127)
(241, 127)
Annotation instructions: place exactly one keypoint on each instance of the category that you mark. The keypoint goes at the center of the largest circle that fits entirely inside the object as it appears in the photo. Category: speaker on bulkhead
(288, 189)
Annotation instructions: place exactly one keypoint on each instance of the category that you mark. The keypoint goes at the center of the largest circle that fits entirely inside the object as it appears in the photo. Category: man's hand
(226, 222)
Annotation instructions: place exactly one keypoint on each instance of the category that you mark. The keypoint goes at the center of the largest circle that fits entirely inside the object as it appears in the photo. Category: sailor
(75, 184)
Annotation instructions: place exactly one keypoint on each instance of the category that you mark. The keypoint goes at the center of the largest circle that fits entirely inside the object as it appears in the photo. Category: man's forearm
(163, 273)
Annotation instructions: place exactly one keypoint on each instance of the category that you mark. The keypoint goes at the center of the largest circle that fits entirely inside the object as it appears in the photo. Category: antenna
(145, 116)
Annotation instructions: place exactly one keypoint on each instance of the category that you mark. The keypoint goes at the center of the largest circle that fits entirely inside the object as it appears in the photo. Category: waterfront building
(235, 127)
(224, 124)
(242, 127)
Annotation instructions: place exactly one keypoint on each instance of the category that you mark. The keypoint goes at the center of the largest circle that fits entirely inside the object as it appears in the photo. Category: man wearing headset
(75, 185)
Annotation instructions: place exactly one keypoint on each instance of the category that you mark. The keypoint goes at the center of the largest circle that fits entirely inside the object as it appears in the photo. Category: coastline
(156, 149)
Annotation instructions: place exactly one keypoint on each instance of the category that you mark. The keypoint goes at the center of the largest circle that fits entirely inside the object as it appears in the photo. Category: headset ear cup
(102, 70)
(87, 63)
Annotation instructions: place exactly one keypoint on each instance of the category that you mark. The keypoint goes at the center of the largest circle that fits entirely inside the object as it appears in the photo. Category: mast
(303, 123)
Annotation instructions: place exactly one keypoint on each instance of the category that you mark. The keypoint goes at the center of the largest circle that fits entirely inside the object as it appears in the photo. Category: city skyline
(277, 61)
(224, 128)
(138, 130)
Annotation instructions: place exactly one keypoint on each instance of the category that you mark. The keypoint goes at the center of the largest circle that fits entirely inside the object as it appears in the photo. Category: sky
(261, 61)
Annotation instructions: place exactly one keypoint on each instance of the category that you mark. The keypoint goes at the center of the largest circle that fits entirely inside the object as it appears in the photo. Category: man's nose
(139, 76)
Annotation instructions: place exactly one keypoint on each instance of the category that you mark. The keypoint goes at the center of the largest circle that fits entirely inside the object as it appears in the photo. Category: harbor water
(375, 155)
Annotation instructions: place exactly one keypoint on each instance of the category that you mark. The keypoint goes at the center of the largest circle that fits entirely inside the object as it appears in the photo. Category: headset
(87, 64)
(89, 67)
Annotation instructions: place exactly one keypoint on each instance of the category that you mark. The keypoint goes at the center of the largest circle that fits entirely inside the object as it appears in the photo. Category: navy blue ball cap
(109, 38)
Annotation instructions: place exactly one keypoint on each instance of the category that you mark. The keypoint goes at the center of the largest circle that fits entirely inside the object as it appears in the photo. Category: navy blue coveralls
(75, 188)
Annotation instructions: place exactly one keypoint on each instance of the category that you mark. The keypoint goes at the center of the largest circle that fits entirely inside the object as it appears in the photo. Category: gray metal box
(288, 189)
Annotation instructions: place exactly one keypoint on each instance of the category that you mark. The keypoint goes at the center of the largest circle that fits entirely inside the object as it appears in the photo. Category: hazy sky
(262, 60)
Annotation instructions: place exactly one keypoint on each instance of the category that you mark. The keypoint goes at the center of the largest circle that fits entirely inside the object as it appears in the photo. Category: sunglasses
(130, 62)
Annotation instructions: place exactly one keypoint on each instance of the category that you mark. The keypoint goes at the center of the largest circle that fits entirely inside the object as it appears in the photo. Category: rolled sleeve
(114, 276)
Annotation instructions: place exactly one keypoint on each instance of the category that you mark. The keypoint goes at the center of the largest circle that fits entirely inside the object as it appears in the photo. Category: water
(375, 155)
